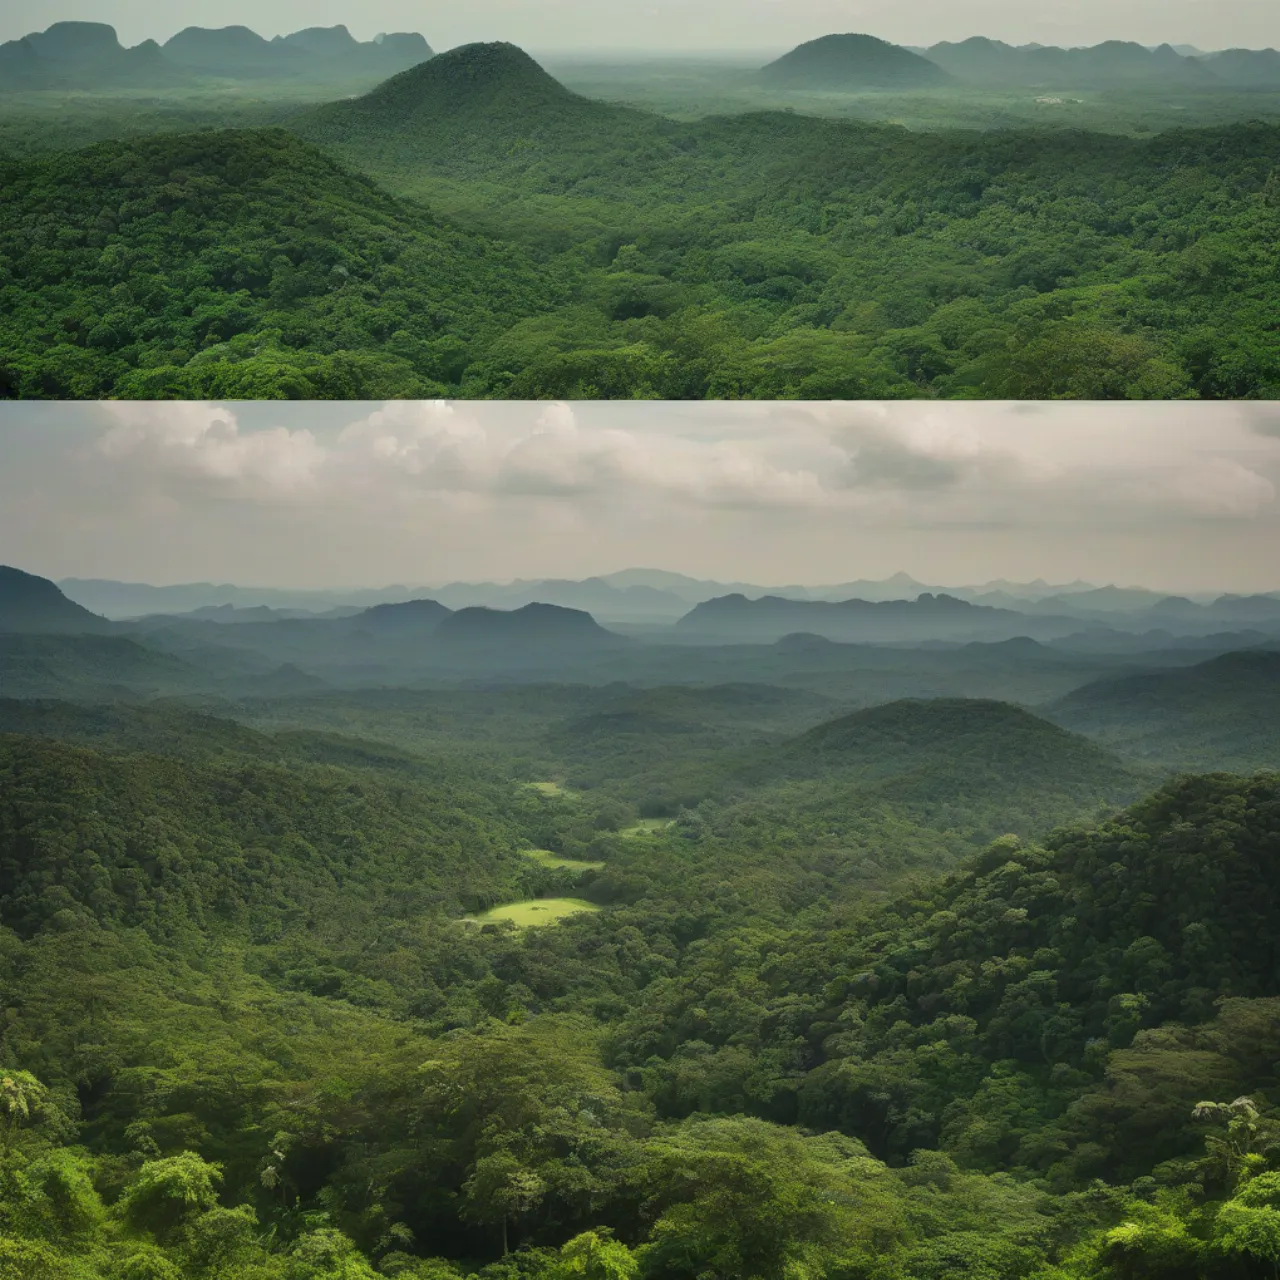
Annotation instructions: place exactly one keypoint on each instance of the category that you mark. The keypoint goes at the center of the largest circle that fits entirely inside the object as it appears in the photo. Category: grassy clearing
(647, 827)
(547, 788)
(535, 911)
(545, 858)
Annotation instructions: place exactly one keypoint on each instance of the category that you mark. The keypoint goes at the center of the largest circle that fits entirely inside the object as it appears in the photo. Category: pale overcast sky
(1172, 496)
(551, 25)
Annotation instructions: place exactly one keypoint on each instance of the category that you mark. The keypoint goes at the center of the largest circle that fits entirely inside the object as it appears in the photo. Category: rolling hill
(911, 783)
(92, 667)
(322, 53)
(88, 56)
(1219, 714)
(962, 735)
(852, 63)
(534, 629)
(931, 756)
(413, 617)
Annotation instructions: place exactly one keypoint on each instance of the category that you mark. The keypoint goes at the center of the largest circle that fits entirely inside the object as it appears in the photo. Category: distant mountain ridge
(769, 619)
(89, 55)
(661, 597)
(1113, 62)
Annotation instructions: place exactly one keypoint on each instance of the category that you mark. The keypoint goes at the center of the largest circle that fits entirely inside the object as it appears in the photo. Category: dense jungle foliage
(472, 228)
(250, 1029)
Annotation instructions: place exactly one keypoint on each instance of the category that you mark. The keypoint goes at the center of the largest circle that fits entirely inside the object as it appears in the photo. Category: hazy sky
(1173, 496)
(549, 25)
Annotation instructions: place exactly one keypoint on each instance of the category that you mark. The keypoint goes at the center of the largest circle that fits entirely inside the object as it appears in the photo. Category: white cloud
(1181, 496)
(197, 442)
(548, 452)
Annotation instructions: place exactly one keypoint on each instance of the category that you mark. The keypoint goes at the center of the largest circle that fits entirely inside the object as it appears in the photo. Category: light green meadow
(535, 911)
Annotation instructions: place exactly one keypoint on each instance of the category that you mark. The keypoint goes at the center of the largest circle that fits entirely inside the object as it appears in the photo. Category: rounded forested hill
(238, 264)
(470, 109)
(481, 78)
(852, 62)
(959, 737)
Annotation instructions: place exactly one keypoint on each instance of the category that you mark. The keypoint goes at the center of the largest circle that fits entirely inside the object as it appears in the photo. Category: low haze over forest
(316, 217)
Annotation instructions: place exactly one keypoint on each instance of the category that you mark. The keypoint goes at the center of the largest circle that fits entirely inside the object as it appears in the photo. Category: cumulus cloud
(199, 442)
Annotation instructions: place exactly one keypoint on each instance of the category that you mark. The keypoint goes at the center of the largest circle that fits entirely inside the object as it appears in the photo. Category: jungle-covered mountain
(534, 243)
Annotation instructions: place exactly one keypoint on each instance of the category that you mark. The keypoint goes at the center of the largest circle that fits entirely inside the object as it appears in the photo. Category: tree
(23, 1101)
(166, 1194)
(501, 1189)
(595, 1255)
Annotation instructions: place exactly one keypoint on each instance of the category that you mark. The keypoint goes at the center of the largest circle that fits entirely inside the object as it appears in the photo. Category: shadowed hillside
(30, 604)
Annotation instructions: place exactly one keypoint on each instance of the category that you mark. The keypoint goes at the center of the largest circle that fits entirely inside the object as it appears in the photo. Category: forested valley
(472, 228)
(852, 972)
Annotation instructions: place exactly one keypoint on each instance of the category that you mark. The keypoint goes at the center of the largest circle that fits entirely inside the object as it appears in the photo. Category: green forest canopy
(486, 233)
(247, 1033)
